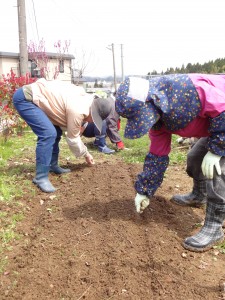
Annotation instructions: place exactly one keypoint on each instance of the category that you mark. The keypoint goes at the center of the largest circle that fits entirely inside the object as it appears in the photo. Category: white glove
(141, 202)
(209, 162)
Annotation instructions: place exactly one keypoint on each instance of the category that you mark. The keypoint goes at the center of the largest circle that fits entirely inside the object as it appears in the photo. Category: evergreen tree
(211, 67)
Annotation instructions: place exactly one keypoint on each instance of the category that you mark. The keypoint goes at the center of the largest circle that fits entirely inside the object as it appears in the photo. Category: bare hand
(89, 159)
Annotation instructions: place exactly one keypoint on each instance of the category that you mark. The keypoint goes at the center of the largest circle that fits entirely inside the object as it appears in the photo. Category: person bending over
(49, 107)
(188, 105)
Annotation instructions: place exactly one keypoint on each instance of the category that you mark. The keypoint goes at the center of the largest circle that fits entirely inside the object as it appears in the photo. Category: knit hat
(132, 103)
(100, 109)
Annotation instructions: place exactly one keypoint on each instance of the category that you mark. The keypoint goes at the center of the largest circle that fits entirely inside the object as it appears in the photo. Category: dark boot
(197, 198)
(54, 167)
(101, 144)
(41, 179)
(211, 233)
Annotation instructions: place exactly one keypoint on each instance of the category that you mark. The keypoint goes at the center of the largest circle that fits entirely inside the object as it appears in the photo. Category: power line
(35, 20)
(62, 11)
(31, 25)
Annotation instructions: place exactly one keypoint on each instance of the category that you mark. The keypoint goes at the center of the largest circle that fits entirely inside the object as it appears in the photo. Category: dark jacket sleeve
(152, 176)
(216, 140)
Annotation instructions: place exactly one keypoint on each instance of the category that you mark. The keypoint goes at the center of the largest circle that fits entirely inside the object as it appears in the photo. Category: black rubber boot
(41, 179)
(54, 167)
(196, 198)
(211, 233)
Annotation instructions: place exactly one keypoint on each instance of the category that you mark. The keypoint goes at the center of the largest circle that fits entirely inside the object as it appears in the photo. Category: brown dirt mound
(86, 242)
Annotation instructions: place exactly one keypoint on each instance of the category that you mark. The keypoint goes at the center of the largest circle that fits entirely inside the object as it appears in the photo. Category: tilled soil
(86, 241)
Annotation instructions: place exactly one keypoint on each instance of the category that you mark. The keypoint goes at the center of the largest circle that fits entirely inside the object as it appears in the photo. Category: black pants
(215, 187)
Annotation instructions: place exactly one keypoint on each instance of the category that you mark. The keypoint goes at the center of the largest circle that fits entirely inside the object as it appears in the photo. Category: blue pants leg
(92, 131)
(55, 149)
(55, 168)
(39, 122)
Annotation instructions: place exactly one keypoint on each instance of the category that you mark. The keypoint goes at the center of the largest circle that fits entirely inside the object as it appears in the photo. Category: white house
(10, 61)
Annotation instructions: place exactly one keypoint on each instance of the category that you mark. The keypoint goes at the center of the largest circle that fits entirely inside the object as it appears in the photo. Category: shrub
(10, 121)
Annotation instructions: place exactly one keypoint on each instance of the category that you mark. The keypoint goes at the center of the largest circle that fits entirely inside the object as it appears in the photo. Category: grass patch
(220, 247)
(8, 234)
(14, 154)
(138, 148)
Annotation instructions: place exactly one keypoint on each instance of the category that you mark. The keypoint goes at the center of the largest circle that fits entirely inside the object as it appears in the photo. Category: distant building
(79, 81)
(10, 61)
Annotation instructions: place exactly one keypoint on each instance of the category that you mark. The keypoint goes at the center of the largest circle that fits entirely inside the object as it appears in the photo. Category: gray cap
(100, 109)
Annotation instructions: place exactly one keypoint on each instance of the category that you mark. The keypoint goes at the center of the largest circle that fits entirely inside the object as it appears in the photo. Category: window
(61, 66)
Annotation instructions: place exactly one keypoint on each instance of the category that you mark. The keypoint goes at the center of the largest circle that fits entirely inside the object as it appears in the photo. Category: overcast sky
(155, 34)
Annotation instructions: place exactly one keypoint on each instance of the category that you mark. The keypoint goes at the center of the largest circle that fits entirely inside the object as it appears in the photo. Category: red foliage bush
(9, 118)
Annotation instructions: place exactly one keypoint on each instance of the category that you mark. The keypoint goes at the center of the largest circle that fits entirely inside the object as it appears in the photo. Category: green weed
(138, 148)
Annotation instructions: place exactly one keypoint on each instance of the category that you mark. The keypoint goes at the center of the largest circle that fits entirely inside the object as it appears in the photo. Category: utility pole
(111, 47)
(23, 56)
(122, 73)
(114, 68)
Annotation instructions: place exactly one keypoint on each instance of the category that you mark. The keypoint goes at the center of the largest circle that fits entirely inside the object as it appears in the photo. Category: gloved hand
(141, 202)
(209, 162)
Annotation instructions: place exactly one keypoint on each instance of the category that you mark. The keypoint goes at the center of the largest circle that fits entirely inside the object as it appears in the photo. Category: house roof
(9, 54)
(49, 54)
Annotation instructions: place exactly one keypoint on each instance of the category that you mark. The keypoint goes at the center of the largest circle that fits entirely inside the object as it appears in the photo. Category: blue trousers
(92, 131)
(48, 135)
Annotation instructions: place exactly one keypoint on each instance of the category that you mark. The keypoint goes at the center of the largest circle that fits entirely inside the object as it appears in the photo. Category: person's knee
(50, 135)
(191, 158)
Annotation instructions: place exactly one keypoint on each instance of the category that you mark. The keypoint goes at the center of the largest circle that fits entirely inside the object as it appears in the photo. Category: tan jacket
(66, 105)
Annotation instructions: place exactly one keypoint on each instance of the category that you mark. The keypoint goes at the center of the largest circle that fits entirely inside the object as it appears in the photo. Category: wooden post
(23, 55)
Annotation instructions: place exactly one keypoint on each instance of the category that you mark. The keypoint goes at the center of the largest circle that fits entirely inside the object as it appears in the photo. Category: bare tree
(82, 64)
(39, 58)
(41, 61)
(61, 50)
